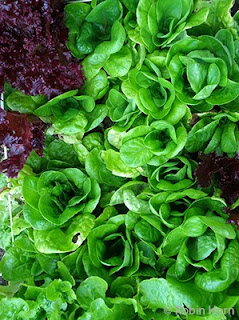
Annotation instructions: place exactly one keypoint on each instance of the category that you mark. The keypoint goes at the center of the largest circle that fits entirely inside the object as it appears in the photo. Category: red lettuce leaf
(221, 171)
(233, 216)
(20, 134)
(33, 53)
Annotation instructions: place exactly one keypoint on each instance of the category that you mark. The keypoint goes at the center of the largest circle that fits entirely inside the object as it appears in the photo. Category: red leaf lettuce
(20, 134)
(221, 170)
(33, 53)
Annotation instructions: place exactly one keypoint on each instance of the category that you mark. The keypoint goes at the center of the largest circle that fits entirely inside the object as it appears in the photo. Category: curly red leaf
(33, 53)
(20, 134)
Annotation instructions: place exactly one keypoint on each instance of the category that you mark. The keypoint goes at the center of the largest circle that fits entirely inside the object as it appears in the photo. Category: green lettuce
(215, 132)
(162, 22)
(152, 144)
(202, 70)
(111, 222)
(89, 27)
(174, 175)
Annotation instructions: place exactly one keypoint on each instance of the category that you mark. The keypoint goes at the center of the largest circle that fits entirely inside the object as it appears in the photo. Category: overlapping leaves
(118, 219)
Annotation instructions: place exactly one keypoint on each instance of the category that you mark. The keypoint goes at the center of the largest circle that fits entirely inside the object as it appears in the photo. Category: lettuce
(162, 22)
(130, 211)
(206, 64)
(221, 171)
(34, 57)
(215, 132)
(20, 135)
